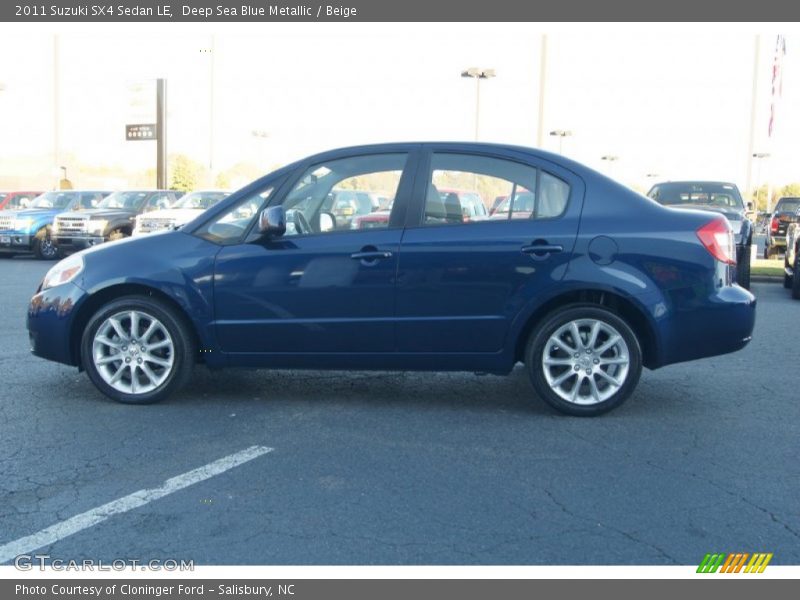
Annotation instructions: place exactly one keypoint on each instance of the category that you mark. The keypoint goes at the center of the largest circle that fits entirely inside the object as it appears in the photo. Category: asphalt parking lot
(383, 468)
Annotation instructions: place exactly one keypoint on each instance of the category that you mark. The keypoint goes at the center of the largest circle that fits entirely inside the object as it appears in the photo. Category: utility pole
(753, 102)
(542, 80)
(161, 134)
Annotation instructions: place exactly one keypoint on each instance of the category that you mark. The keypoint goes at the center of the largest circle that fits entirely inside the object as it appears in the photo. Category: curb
(766, 278)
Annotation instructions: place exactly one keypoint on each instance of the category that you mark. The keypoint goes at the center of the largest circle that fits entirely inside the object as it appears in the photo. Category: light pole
(478, 74)
(561, 134)
(759, 156)
(260, 135)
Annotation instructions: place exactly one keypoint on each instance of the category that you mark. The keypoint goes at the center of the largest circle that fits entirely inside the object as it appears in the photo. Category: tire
(743, 268)
(117, 234)
(126, 379)
(586, 400)
(43, 247)
(787, 281)
(796, 279)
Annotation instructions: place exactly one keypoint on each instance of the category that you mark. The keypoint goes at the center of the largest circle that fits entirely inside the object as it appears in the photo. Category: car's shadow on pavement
(370, 389)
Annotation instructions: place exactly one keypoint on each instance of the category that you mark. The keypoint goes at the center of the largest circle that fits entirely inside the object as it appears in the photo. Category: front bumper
(77, 242)
(15, 241)
(51, 315)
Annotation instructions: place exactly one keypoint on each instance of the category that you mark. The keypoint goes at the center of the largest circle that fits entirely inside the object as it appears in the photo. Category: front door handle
(371, 255)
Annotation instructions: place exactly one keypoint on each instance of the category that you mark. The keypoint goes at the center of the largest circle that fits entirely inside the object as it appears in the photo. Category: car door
(322, 287)
(461, 281)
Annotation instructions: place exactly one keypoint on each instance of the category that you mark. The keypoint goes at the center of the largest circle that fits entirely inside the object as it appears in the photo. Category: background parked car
(112, 219)
(16, 200)
(468, 202)
(179, 213)
(585, 294)
(29, 230)
(713, 196)
(347, 204)
(791, 259)
(783, 215)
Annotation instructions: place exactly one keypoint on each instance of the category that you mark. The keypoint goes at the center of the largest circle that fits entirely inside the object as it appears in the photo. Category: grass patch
(771, 268)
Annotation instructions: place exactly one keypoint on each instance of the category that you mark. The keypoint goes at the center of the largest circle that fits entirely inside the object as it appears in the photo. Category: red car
(16, 200)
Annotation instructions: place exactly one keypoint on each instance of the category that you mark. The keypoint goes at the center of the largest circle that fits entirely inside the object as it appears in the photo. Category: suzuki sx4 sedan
(585, 286)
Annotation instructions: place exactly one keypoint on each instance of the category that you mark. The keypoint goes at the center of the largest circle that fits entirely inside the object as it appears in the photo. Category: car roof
(695, 182)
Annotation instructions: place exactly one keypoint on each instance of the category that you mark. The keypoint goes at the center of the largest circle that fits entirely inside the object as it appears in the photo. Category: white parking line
(59, 531)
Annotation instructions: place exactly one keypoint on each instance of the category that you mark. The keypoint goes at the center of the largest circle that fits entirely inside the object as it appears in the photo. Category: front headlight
(63, 271)
(23, 224)
(97, 227)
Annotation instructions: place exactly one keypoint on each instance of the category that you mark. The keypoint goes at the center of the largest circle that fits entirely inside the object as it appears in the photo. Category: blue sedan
(585, 282)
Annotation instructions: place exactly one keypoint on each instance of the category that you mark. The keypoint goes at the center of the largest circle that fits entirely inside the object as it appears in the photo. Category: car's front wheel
(43, 247)
(583, 360)
(137, 350)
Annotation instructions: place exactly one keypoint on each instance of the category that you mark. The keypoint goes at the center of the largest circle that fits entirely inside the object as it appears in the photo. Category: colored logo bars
(735, 562)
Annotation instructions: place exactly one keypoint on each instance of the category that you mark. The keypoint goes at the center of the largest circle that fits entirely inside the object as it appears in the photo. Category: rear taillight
(773, 226)
(717, 237)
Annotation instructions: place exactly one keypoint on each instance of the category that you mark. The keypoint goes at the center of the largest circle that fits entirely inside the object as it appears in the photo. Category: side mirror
(749, 206)
(272, 221)
(327, 222)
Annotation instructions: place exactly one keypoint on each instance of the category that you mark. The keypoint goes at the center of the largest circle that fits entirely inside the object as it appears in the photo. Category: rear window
(788, 205)
(718, 195)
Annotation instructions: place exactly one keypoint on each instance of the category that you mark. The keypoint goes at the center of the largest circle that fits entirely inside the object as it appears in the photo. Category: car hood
(181, 215)
(34, 213)
(99, 213)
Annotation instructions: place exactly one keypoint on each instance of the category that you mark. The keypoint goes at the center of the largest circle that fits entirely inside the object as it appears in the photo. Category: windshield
(201, 200)
(2, 196)
(788, 205)
(716, 195)
(132, 200)
(54, 200)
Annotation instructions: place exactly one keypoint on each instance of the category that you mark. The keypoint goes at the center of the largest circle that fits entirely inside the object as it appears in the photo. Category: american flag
(777, 78)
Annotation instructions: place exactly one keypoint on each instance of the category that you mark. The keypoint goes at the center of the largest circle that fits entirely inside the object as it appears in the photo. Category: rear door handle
(541, 249)
(371, 255)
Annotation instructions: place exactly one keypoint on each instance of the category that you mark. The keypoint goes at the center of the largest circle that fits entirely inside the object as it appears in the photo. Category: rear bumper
(50, 319)
(723, 324)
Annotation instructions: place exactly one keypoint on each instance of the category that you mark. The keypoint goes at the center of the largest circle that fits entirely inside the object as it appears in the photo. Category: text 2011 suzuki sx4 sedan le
(586, 285)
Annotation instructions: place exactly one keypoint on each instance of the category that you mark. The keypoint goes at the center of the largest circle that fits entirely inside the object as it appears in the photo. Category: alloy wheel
(586, 361)
(133, 352)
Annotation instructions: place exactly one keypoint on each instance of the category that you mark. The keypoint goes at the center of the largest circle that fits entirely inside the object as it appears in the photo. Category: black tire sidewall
(539, 337)
(743, 271)
(38, 239)
(183, 344)
(796, 278)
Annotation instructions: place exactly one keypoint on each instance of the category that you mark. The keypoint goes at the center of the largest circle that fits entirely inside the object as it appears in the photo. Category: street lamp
(759, 156)
(611, 158)
(478, 74)
(260, 135)
(561, 133)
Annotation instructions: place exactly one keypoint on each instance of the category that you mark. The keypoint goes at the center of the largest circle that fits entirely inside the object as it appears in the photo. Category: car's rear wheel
(743, 269)
(583, 360)
(796, 278)
(117, 234)
(43, 247)
(137, 350)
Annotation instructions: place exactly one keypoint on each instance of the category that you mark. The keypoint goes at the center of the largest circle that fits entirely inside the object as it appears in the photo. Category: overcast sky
(666, 99)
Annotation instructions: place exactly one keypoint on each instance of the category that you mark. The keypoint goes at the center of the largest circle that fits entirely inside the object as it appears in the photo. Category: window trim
(415, 218)
(401, 198)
